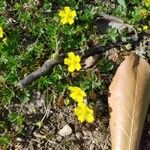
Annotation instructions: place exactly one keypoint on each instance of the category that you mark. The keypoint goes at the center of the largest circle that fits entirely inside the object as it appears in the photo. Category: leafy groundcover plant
(44, 47)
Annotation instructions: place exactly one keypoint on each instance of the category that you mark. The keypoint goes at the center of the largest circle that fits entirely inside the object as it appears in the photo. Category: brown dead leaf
(106, 21)
(129, 100)
(90, 61)
(60, 101)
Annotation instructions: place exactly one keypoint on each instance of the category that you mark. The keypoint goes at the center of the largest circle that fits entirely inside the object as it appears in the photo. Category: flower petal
(90, 118)
(78, 59)
(81, 118)
(62, 13)
(67, 61)
(79, 99)
(71, 21)
(83, 93)
(73, 13)
(71, 55)
(64, 20)
(71, 88)
(1, 32)
(71, 68)
(145, 27)
(73, 96)
(67, 9)
(78, 67)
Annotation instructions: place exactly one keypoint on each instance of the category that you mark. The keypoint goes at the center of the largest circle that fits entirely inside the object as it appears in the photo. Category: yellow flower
(145, 27)
(144, 13)
(1, 32)
(77, 94)
(147, 2)
(67, 15)
(73, 62)
(84, 113)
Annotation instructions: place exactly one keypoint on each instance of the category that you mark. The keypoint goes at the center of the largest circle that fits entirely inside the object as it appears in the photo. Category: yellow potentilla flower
(67, 15)
(73, 62)
(145, 27)
(147, 2)
(1, 32)
(144, 13)
(84, 113)
(77, 93)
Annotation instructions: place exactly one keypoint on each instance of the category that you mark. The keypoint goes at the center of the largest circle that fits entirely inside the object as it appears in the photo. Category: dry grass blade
(128, 102)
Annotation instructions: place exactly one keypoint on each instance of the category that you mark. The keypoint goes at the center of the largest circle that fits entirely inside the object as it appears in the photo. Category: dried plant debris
(105, 21)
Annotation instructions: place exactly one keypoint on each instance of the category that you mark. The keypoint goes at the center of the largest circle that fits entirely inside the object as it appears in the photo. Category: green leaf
(2, 5)
(16, 118)
(106, 66)
(122, 3)
(7, 96)
(2, 125)
(25, 96)
(4, 141)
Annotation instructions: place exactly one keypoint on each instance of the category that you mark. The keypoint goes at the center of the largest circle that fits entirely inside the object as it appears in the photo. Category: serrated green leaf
(4, 141)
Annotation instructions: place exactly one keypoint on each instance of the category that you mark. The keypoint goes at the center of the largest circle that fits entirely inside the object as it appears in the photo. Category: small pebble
(58, 138)
(38, 135)
(66, 130)
(18, 139)
(78, 135)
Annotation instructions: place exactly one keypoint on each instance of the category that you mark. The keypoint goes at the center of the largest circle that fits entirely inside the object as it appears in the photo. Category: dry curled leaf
(60, 101)
(129, 100)
(90, 61)
(106, 21)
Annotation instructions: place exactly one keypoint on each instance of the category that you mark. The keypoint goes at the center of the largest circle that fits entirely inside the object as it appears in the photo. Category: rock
(38, 135)
(18, 139)
(90, 61)
(66, 130)
(78, 135)
(58, 138)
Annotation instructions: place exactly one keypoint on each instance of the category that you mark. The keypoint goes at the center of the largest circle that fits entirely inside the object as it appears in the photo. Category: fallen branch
(51, 63)
(46, 68)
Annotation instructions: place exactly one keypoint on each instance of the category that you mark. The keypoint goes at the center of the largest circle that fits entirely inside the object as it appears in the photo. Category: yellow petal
(71, 68)
(73, 13)
(67, 9)
(89, 111)
(83, 93)
(67, 61)
(73, 96)
(1, 32)
(78, 67)
(71, 21)
(79, 99)
(90, 118)
(81, 118)
(71, 55)
(64, 20)
(79, 114)
(77, 111)
(61, 13)
(78, 59)
(71, 88)
(81, 105)
(145, 28)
